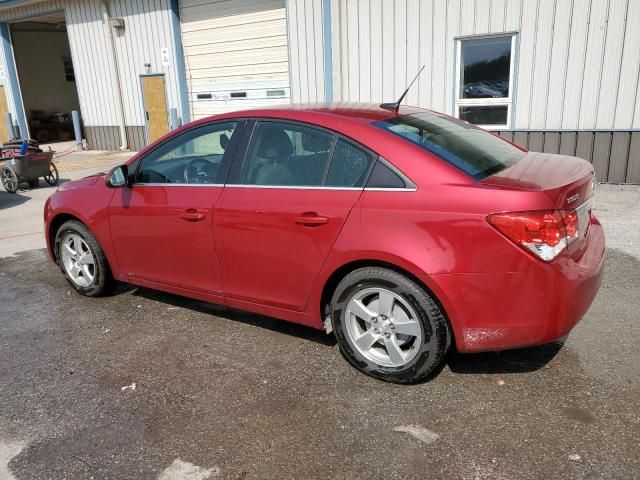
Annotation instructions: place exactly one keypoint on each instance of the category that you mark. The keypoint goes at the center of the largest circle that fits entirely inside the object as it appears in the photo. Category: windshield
(472, 150)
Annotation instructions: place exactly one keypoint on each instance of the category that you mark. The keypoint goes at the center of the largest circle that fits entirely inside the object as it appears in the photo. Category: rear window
(472, 150)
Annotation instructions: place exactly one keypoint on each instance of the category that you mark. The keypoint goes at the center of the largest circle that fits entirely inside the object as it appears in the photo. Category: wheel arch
(54, 226)
(341, 272)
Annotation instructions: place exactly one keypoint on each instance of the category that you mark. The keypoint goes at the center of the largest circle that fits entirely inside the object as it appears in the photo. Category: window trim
(235, 175)
(509, 101)
(225, 164)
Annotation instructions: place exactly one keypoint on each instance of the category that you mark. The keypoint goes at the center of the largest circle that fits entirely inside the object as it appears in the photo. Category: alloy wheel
(383, 327)
(78, 260)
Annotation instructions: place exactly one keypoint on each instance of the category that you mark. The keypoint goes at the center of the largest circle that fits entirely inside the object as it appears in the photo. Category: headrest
(274, 142)
(224, 141)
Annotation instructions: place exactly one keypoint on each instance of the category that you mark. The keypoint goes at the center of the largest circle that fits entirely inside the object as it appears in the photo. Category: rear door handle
(192, 215)
(311, 220)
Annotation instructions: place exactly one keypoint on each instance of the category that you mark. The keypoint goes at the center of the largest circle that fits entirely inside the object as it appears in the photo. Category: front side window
(194, 157)
(472, 150)
(485, 70)
(282, 154)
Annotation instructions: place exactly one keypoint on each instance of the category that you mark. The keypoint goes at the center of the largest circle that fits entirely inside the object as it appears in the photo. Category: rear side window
(472, 150)
(383, 177)
(349, 166)
(286, 155)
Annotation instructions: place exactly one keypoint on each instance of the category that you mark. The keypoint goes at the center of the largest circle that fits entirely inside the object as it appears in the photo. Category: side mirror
(118, 177)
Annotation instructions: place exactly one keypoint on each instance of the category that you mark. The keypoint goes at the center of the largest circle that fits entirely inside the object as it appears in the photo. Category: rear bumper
(537, 305)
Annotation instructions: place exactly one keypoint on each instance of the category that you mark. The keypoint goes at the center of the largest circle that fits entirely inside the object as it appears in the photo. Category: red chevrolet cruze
(403, 232)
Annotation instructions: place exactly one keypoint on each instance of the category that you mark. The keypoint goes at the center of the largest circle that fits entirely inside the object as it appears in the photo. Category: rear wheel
(9, 180)
(82, 260)
(388, 326)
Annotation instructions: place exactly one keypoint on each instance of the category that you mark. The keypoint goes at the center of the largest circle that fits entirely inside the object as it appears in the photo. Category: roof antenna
(395, 106)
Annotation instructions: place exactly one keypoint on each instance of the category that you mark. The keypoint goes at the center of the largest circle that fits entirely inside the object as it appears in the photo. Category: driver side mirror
(118, 177)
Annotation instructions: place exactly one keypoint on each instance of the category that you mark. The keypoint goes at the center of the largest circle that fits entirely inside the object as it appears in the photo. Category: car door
(289, 193)
(162, 224)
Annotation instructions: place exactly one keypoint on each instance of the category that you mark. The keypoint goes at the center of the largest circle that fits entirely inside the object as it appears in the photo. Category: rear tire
(388, 327)
(82, 261)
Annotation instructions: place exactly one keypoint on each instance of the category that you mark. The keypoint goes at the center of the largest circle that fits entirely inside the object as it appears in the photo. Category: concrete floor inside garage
(226, 394)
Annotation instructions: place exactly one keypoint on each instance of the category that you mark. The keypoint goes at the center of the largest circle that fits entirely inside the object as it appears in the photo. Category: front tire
(82, 260)
(388, 326)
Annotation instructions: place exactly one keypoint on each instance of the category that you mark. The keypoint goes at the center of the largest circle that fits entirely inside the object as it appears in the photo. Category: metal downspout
(115, 74)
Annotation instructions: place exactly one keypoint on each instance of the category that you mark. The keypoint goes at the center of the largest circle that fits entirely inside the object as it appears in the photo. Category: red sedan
(403, 232)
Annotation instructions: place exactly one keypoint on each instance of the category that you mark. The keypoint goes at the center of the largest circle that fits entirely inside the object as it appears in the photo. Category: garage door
(235, 53)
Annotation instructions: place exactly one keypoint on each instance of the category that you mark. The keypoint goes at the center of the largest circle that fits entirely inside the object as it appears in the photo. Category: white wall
(577, 67)
(147, 30)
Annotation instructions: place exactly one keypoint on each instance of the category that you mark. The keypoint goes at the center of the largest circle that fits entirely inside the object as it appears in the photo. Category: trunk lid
(567, 181)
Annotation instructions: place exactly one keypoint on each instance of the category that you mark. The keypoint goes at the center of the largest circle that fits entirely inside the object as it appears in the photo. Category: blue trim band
(180, 65)
(12, 75)
(328, 50)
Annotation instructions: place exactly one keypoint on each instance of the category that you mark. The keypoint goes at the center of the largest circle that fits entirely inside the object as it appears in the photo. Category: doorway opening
(47, 79)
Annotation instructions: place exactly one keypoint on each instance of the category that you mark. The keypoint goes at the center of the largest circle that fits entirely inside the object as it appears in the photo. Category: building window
(68, 70)
(485, 79)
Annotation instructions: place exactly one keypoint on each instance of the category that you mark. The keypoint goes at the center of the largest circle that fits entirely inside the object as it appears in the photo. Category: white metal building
(553, 75)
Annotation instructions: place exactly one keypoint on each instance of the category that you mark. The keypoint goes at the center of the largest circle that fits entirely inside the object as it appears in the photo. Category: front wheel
(82, 260)
(388, 326)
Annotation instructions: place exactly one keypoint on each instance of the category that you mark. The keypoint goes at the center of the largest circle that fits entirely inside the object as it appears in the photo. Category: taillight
(544, 232)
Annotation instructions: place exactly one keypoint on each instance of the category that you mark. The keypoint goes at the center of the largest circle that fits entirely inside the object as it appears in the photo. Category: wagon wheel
(9, 180)
(52, 177)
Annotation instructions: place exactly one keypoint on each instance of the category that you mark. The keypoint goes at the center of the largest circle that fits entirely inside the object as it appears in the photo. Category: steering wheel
(200, 170)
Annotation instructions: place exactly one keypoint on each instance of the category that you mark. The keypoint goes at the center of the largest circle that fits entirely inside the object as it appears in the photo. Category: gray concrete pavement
(226, 394)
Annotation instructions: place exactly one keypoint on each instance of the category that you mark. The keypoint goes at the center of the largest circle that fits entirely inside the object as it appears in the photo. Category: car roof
(362, 112)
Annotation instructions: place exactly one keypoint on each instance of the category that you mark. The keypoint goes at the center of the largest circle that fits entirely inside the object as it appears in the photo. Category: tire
(89, 279)
(9, 179)
(408, 344)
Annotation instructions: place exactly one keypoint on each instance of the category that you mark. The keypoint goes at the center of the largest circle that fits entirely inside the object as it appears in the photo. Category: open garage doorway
(47, 79)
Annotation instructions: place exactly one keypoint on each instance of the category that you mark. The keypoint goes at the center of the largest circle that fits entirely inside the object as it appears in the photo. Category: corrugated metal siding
(615, 155)
(577, 66)
(235, 46)
(306, 49)
(147, 31)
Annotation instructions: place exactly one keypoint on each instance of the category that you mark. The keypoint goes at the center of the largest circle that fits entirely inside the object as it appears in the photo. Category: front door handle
(311, 219)
(192, 215)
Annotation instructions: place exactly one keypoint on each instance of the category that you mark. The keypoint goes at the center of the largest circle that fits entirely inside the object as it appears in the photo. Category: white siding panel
(439, 54)
(593, 63)
(525, 62)
(483, 14)
(611, 63)
(413, 54)
(558, 67)
(453, 30)
(497, 17)
(575, 63)
(364, 49)
(629, 73)
(376, 65)
(388, 53)
(426, 52)
(540, 72)
(400, 48)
